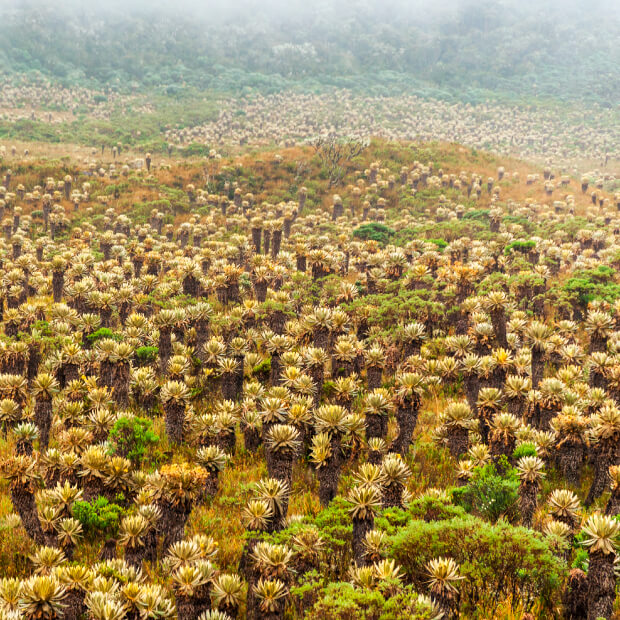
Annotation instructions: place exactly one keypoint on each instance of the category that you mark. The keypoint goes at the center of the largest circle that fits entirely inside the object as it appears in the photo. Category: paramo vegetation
(370, 379)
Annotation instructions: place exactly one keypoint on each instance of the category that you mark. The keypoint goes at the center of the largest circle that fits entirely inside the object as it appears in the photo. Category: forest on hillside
(470, 51)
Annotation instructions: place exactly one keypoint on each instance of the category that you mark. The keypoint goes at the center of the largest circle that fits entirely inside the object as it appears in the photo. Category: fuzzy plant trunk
(601, 585)
(275, 367)
(277, 321)
(570, 454)
(538, 366)
(613, 503)
(43, 421)
(228, 386)
(598, 343)
(329, 475)
(320, 335)
(260, 291)
(226, 439)
(150, 546)
(108, 551)
(251, 438)
(74, 607)
(165, 348)
(472, 388)
(106, 317)
(317, 373)
(106, 374)
(447, 600)
(232, 293)
(174, 419)
(277, 242)
(191, 286)
(528, 501)
(515, 405)
(120, 382)
(375, 457)
(174, 516)
(458, 441)
(58, 282)
(407, 418)
(604, 455)
(186, 607)
(498, 319)
(280, 466)
(24, 503)
(239, 376)
(485, 415)
(92, 486)
(24, 446)
(502, 446)
(376, 425)
(71, 372)
(212, 484)
(256, 239)
(134, 554)
(393, 495)
(498, 378)
(374, 375)
(361, 527)
(575, 596)
(597, 379)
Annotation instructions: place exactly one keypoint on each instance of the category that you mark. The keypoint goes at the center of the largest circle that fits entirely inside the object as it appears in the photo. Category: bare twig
(334, 154)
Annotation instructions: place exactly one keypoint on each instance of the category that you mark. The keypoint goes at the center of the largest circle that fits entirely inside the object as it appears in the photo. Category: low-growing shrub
(146, 355)
(520, 246)
(131, 437)
(488, 493)
(344, 601)
(99, 517)
(103, 333)
(525, 449)
(375, 232)
(498, 561)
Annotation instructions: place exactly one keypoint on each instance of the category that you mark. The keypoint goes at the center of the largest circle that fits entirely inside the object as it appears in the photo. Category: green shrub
(103, 333)
(525, 449)
(131, 436)
(440, 243)
(263, 369)
(488, 493)
(477, 214)
(43, 327)
(433, 509)
(588, 285)
(341, 600)
(498, 562)
(520, 246)
(98, 517)
(146, 355)
(375, 232)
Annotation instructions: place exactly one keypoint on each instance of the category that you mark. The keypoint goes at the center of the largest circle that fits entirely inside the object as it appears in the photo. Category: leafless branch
(334, 154)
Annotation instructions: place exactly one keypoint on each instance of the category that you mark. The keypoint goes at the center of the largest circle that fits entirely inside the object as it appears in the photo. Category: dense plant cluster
(228, 392)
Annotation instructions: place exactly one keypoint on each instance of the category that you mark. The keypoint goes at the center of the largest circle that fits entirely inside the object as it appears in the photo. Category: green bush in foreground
(344, 601)
(131, 436)
(98, 517)
(498, 561)
(488, 493)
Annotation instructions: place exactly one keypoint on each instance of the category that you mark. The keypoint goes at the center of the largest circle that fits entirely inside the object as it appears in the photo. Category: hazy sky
(286, 8)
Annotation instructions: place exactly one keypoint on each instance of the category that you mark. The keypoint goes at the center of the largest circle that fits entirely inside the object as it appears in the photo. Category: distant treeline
(468, 51)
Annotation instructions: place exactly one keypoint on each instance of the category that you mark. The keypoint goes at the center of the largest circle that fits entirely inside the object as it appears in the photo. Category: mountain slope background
(472, 50)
